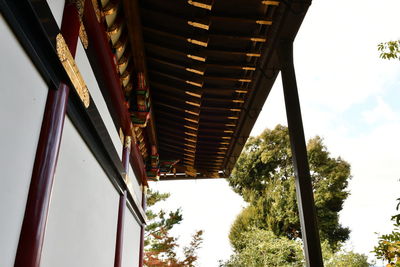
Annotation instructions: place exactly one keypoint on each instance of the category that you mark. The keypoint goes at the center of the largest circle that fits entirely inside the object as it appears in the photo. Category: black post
(304, 191)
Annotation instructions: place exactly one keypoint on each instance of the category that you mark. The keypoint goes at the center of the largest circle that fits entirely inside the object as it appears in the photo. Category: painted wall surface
(23, 96)
(57, 8)
(130, 253)
(136, 187)
(82, 222)
(88, 75)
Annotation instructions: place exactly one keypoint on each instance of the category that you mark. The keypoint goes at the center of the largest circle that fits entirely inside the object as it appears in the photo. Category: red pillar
(34, 223)
(122, 204)
(142, 229)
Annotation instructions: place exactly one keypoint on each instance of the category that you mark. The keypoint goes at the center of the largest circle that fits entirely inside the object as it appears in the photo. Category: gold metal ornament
(72, 70)
(128, 141)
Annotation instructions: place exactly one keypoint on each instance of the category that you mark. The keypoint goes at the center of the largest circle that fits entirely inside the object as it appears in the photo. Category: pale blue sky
(351, 98)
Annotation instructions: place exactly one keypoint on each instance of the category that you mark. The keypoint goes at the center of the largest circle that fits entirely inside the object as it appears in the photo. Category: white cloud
(382, 112)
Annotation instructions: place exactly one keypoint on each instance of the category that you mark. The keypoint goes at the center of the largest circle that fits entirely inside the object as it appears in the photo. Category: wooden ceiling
(210, 66)
(201, 58)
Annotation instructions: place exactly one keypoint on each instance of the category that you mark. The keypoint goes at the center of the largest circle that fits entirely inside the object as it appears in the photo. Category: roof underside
(203, 61)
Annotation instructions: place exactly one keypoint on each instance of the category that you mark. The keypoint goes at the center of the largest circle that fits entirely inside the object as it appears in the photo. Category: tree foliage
(160, 245)
(388, 248)
(263, 248)
(389, 50)
(264, 176)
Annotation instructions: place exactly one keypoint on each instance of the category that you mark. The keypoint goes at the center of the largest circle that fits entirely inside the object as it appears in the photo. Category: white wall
(135, 184)
(57, 8)
(82, 222)
(130, 252)
(88, 75)
(23, 96)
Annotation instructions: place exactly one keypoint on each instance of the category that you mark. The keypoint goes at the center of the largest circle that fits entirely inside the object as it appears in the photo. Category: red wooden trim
(70, 26)
(121, 211)
(37, 206)
(99, 42)
(120, 231)
(34, 223)
(142, 230)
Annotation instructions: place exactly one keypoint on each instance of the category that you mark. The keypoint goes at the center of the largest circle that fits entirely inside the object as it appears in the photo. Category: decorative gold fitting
(191, 134)
(199, 25)
(197, 42)
(193, 103)
(228, 131)
(245, 80)
(122, 67)
(110, 8)
(128, 89)
(72, 70)
(241, 91)
(190, 150)
(192, 112)
(270, 3)
(238, 101)
(96, 10)
(248, 68)
(190, 127)
(128, 142)
(264, 22)
(195, 71)
(235, 109)
(193, 94)
(253, 55)
(256, 39)
(125, 77)
(114, 29)
(191, 140)
(200, 5)
(195, 84)
(192, 120)
(83, 36)
(190, 145)
(121, 136)
(233, 118)
(198, 58)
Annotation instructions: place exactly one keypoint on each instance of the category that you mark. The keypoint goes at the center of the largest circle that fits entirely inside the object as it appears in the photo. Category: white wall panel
(87, 73)
(23, 96)
(57, 8)
(130, 253)
(136, 186)
(82, 222)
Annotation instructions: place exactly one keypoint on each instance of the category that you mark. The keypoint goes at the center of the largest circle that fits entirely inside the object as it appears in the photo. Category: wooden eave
(210, 66)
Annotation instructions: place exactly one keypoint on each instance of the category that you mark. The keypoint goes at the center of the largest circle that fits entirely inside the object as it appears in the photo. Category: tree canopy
(160, 246)
(262, 248)
(264, 176)
(389, 50)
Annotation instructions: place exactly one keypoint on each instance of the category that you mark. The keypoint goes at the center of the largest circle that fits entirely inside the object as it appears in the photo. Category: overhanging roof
(210, 66)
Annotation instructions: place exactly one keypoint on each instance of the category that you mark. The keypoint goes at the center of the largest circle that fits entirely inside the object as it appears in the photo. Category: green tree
(264, 176)
(388, 248)
(260, 248)
(160, 247)
(389, 50)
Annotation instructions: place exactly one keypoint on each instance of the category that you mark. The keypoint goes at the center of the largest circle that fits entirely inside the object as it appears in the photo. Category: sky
(351, 98)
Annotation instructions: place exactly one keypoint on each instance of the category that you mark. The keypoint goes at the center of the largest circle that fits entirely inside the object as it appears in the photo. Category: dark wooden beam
(304, 190)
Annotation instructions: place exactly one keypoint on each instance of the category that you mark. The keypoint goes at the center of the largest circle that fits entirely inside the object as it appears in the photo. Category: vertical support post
(29, 250)
(122, 205)
(304, 191)
(34, 223)
(143, 228)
